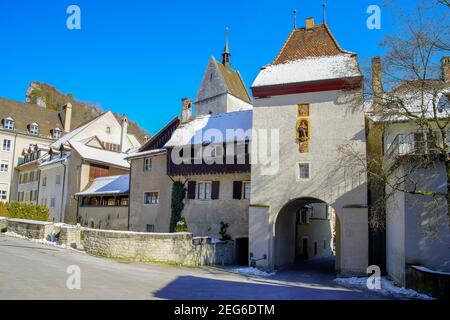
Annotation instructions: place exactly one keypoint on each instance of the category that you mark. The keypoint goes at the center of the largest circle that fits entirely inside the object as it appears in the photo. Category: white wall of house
(417, 227)
(54, 193)
(9, 179)
(334, 123)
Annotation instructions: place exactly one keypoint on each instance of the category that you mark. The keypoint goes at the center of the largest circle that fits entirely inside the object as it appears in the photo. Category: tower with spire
(222, 88)
(226, 55)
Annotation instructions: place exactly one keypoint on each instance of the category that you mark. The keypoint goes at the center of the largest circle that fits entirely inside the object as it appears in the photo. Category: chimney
(445, 65)
(309, 23)
(377, 82)
(67, 116)
(186, 110)
(123, 133)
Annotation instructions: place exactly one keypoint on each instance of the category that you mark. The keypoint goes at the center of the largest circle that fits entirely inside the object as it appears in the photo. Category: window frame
(34, 132)
(244, 195)
(4, 164)
(151, 203)
(9, 124)
(147, 166)
(299, 164)
(204, 195)
(9, 145)
(3, 195)
(54, 135)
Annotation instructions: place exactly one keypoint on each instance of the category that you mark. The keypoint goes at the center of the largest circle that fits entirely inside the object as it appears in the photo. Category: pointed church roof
(233, 82)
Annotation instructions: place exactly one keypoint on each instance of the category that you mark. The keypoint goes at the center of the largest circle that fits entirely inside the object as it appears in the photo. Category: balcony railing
(409, 144)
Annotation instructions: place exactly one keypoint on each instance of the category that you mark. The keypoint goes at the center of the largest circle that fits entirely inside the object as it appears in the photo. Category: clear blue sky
(142, 57)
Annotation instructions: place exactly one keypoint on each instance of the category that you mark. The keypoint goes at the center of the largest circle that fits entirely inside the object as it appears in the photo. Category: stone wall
(176, 248)
(3, 224)
(70, 236)
(31, 229)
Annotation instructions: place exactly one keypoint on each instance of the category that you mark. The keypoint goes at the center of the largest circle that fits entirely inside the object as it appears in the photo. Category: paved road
(34, 271)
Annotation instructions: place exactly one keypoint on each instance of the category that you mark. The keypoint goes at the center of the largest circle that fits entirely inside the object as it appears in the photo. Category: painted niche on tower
(303, 128)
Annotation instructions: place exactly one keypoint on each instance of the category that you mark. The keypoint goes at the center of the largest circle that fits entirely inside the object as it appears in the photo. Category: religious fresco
(303, 128)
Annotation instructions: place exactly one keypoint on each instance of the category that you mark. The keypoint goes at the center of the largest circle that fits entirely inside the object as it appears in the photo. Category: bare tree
(415, 92)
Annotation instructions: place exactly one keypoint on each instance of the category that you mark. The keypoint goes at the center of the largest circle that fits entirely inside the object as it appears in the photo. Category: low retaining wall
(432, 283)
(31, 229)
(171, 248)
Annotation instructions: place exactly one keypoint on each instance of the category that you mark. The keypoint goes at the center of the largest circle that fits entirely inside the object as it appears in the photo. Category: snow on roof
(414, 105)
(309, 69)
(99, 155)
(133, 140)
(70, 135)
(108, 185)
(218, 128)
(59, 158)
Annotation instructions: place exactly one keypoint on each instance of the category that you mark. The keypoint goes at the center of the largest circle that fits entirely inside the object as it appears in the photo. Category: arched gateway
(306, 102)
(305, 229)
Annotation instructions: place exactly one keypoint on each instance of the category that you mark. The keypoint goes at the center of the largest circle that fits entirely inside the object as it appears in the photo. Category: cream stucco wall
(155, 180)
(204, 216)
(9, 180)
(106, 217)
(334, 123)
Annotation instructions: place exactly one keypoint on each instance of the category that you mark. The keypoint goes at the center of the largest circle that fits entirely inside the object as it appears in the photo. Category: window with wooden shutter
(215, 190)
(237, 190)
(191, 190)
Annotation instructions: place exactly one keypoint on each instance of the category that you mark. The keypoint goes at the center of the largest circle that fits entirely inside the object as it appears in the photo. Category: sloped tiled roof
(233, 80)
(25, 114)
(315, 42)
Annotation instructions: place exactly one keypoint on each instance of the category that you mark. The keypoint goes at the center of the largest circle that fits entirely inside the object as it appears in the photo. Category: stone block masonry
(31, 229)
(171, 248)
(3, 224)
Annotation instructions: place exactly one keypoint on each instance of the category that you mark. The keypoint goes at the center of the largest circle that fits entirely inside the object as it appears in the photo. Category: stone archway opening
(306, 229)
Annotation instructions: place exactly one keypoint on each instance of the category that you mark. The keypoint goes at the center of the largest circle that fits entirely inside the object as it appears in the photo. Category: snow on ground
(249, 271)
(41, 241)
(387, 288)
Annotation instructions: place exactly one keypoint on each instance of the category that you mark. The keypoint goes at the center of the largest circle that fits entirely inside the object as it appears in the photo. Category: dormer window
(56, 133)
(34, 129)
(8, 124)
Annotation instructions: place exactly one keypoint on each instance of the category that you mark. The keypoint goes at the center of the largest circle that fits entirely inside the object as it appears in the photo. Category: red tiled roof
(315, 42)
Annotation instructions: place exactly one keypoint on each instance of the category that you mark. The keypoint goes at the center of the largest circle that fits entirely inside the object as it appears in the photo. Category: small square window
(304, 171)
(150, 228)
(9, 124)
(108, 130)
(52, 202)
(4, 166)
(34, 129)
(44, 181)
(3, 195)
(56, 133)
(151, 198)
(58, 179)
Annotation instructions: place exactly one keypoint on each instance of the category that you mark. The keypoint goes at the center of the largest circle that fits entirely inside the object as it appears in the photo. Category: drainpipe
(63, 189)
(129, 195)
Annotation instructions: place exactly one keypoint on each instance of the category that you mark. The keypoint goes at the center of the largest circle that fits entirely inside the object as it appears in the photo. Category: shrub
(3, 210)
(223, 231)
(181, 225)
(177, 205)
(20, 210)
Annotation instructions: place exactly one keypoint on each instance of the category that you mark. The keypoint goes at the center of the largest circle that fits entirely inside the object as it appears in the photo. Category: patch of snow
(308, 69)
(108, 185)
(249, 271)
(217, 128)
(387, 288)
(109, 157)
